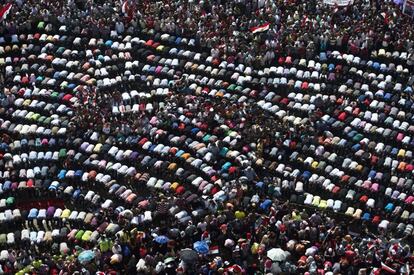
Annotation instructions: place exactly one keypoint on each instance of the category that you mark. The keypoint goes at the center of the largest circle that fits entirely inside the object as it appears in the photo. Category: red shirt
(29, 183)
(232, 170)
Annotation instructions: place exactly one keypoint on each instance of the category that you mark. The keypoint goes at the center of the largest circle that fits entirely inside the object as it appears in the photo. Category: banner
(340, 3)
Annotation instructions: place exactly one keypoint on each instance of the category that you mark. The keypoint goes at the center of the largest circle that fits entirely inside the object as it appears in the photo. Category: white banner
(340, 3)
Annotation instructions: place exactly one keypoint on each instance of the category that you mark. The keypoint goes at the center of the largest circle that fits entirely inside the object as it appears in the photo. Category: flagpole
(404, 6)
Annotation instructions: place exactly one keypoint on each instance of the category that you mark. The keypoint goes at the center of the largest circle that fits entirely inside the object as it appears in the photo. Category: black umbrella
(188, 255)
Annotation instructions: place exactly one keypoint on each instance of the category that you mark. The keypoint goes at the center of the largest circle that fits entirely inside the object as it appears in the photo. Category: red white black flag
(260, 28)
(4, 11)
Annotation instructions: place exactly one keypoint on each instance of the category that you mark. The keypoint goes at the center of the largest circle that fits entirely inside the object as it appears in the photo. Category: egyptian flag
(214, 250)
(4, 11)
(261, 28)
(388, 269)
(386, 18)
(127, 10)
(235, 269)
(125, 7)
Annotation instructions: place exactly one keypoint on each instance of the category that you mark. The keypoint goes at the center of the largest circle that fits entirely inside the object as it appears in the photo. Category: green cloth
(35, 117)
(62, 153)
(296, 217)
(239, 88)
(10, 200)
(232, 87)
(41, 25)
(87, 236)
(3, 238)
(79, 235)
(240, 215)
(206, 137)
(60, 50)
(47, 120)
(41, 119)
(223, 151)
(37, 263)
(105, 245)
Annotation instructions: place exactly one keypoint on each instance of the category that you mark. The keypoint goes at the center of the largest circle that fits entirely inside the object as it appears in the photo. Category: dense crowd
(167, 137)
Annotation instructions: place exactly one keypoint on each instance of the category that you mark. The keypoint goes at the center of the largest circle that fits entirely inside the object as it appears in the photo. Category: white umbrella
(277, 254)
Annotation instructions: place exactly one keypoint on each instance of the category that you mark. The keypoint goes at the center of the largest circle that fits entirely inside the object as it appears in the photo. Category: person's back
(119, 27)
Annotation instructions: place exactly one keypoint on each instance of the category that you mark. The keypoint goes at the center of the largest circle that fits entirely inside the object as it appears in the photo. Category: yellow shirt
(65, 214)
